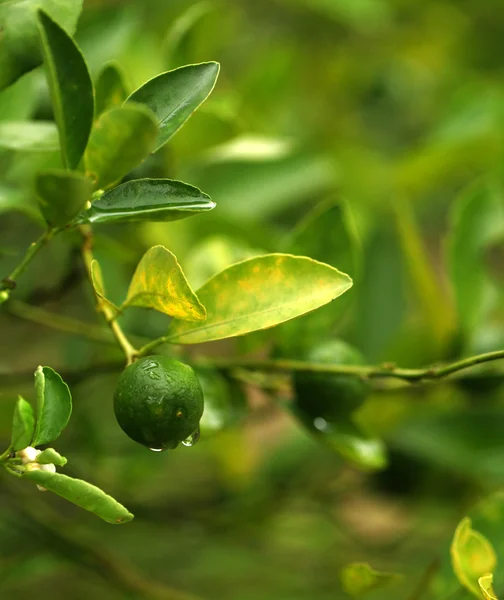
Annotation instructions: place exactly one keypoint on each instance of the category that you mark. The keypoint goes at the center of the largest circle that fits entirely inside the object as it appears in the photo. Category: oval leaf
(159, 283)
(50, 456)
(486, 586)
(147, 200)
(359, 578)
(472, 556)
(71, 89)
(82, 494)
(259, 293)
(19, 42)
(29, 136)
(23, 425)
(110, 88)
(62, 195)
(54, 406)
(173, 96)
(120, 140)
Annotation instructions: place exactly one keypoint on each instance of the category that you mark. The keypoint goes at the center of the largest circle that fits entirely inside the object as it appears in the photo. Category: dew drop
(192, 439)
(156, 449)
(320, 424)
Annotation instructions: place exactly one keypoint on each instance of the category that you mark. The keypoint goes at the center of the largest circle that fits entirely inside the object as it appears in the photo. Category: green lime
(158, 402)
(330, 397)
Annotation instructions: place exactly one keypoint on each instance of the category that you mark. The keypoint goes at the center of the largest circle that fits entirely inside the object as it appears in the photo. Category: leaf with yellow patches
(472, 556)
(486, 587)
(259, 293)
(159, 283)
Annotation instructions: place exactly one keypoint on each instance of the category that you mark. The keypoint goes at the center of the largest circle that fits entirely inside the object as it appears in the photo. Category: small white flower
(28, 455)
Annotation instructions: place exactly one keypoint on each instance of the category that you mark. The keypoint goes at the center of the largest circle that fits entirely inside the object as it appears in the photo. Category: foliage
(341, 165)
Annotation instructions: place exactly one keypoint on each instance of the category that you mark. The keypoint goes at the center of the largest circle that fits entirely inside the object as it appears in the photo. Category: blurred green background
(394, 108)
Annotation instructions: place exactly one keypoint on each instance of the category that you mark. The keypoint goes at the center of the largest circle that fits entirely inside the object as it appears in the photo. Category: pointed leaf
(259, 293)
(485, 583)
(23, 425)
(120, 140)
(173, 96)
(19, 43)
(50, 456)
(62, 195)
(82, 494)
(71, 89)
(29, 136)
(110, 88)
(147, 200)
(159, 283)
(54, 406)
(359, 578)
(472, 556)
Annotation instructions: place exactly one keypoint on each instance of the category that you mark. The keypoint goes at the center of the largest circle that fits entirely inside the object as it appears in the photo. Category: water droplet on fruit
(154, 375)
(148, 365)
(156, 449)
(193, 438)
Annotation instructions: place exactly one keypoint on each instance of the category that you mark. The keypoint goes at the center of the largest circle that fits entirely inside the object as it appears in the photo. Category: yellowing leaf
(159, 283)
(485, 583)
(472, 555)
(259, 293)
(359, 578)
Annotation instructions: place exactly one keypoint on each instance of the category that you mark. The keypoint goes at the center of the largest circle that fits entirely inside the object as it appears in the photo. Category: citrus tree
(98, 170)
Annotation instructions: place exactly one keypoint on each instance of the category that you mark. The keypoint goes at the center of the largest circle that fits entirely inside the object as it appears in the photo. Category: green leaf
(23, 425)
(62, 195)
(326, 234)
(477, 222)
(19, 43)
(359, 578)
(50, 456)
(485, 583)
(159, 283)
(99, 286)
(110, 88)
(29, 136)
(173, 96)
(54, 406)
(82, 494)
(15, 199)
(120, 140)
(147, 200)
(259, 293)
(71, 89)
(472, 556)
(18, 101)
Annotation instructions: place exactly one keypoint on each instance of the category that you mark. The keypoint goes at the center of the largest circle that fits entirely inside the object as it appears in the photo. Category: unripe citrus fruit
(158, 402)
(330, 397)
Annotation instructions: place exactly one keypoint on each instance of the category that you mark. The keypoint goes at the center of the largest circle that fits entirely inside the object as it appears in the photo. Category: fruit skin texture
(331, 397)
(158, 402)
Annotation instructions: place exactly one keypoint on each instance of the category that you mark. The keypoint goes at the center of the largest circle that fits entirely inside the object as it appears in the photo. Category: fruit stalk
(107, 311)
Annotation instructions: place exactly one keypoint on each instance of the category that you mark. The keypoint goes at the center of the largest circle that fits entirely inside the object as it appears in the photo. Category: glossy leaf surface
(71, 89)
(173, 96)
(148, 200)
(54, 406)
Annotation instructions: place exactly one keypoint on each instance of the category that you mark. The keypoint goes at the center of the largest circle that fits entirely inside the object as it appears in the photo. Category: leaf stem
(9, 283)
(102, 306)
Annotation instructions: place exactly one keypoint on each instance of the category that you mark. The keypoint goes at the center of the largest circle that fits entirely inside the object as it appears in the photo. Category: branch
(9, 283)
(371, 372)
(101, 306)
